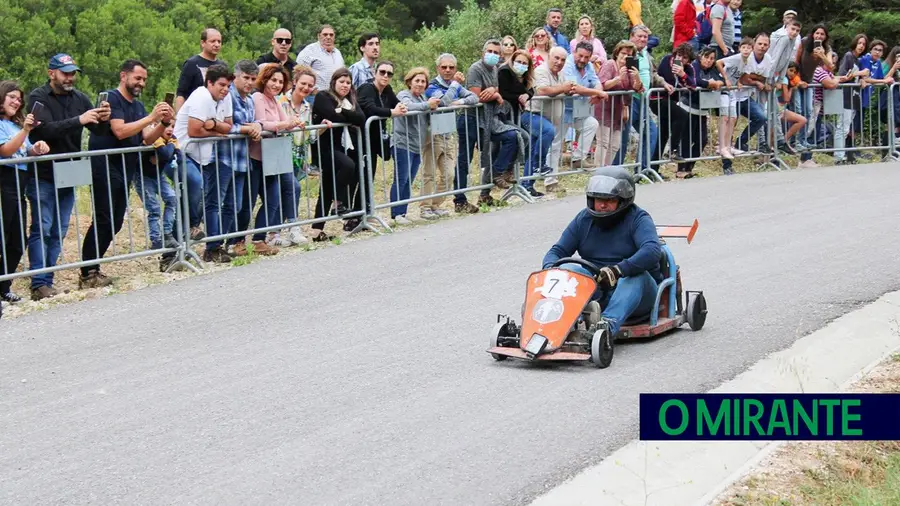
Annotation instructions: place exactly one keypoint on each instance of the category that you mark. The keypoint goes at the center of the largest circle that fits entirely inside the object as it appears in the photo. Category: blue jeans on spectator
(49, 224)
(542, 134)
(803, 103)
(407, 165)
(632, 296)
(150, 189)
(635, 123)
(290, 197)
(219, 200)
(467, 130)
(194, 186)
(254, 185)
(757, 116)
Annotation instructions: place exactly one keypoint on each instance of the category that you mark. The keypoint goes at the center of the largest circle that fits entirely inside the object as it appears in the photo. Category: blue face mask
(519, 68)
(491, 59)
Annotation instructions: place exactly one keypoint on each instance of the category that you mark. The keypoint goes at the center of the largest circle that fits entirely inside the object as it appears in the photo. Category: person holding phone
(612, 114)
(14, 143)
(814, 51)
(61, 114)
(130, 126)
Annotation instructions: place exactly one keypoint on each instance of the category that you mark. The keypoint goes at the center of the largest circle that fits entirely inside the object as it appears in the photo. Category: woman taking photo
(612, 114)
(814, 51)
(409, 137)
(337, 151)
(14, 129)
(676, 70)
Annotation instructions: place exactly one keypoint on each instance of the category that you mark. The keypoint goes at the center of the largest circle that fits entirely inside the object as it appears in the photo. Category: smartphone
(102, 97)
(677, 61)
(817, 43)
(35, 110)
(170, 99)
(631, 62)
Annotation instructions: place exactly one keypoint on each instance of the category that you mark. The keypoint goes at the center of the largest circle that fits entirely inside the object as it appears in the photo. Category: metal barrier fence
(211, 205)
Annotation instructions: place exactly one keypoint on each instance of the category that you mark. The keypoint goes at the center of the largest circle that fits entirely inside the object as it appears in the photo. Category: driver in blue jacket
(620, 238)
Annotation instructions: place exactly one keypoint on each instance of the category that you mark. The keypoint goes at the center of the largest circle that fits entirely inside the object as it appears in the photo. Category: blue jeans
(635, 123)
(466, 129)
(542, 134)
(49, 224)
(803, 103)
(407, 165)
(757, 116)
(290, 197)
(253, 185)
(151, 189)
(634, 295)
(219, 200)
(194, 186)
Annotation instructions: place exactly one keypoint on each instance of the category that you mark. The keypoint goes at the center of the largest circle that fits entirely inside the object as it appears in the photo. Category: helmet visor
(609, 187)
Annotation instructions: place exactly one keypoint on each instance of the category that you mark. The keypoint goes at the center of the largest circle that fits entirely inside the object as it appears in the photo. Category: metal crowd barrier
(61, 202)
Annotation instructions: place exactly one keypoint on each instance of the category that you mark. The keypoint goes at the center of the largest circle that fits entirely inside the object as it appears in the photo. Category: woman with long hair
(14, 129)
(539, 44)
(586, 32)
(612, 114)
(516, 86)
(508, 46)
(336, 154)
(814, 51)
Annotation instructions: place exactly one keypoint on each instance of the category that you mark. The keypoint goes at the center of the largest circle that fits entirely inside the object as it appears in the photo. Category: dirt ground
(826, 473)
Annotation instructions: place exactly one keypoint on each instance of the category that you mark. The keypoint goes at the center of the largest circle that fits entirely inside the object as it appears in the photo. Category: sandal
(322, 237)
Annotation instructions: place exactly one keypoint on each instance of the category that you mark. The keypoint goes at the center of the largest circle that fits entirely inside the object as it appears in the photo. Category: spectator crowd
(558, 99)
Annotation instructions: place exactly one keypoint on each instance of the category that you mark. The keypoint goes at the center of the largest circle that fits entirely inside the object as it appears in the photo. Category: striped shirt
(322, 62)
(361, 73)
(820, 75)
(243, 112)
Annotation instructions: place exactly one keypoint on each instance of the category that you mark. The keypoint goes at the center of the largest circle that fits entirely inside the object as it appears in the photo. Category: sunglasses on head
(283, 41)
(387, 73)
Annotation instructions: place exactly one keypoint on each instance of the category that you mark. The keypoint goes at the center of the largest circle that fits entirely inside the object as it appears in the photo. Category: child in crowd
(785, 94)
(732, 68)
(152, 185)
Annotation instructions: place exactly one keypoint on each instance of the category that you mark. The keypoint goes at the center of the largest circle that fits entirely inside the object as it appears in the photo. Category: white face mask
(519, 68)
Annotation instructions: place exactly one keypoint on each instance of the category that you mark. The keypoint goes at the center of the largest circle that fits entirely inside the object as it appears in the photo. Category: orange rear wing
(678, 231)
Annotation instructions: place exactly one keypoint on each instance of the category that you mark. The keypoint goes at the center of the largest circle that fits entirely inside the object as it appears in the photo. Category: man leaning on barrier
(130, 127)
(66, 112)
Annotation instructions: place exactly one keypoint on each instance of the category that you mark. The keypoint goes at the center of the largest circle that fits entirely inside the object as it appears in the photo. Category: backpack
(704, 24)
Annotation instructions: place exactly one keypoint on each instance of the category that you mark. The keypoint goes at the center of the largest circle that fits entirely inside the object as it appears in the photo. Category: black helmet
(610, 183)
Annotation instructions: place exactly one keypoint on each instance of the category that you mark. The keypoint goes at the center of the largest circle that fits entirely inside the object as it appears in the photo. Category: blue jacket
(632, 243)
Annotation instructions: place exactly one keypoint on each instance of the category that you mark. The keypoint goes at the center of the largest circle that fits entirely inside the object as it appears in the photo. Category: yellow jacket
(632, 8)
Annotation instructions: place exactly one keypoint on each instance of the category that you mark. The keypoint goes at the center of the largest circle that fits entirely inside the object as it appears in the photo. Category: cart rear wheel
(498, 332)
(602, 348)
(696, 312)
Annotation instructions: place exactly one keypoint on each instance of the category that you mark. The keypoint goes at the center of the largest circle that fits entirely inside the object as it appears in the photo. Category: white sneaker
(441, 213)
(297, 237)
(428, 214)
(276, 241)
(736, 151)
(401, 220)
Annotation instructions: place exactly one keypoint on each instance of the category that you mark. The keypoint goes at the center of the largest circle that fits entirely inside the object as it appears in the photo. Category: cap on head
(789, 12)
(64, 63)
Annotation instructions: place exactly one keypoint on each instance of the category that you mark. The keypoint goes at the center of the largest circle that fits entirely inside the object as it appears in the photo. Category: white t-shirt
(200, 105)
(763, 68)
(734, 69)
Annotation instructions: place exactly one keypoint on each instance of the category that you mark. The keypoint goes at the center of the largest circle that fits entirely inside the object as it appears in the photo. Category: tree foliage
(100, 34)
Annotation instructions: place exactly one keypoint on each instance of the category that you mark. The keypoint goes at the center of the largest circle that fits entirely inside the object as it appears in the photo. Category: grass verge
(827, 473)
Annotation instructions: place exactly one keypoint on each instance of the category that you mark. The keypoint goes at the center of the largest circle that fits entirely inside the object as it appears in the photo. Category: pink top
(598, 48)
(609, 112)
(270, 114)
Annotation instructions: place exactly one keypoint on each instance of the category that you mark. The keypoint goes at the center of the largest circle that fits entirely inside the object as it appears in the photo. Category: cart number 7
(558, 284)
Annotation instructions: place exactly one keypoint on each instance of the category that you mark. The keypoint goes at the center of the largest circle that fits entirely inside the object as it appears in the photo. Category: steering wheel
(580, 261)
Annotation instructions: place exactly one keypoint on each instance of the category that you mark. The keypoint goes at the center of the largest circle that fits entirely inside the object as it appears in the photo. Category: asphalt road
(357, 375)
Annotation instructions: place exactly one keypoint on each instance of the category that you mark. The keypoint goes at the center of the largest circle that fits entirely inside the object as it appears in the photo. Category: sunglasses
(509, 44)
(283, 41)
(448, 67)
(386, 73)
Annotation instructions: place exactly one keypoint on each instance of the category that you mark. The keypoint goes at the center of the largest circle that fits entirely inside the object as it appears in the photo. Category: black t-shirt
(193, 73)
(270, 58)
(129, 112)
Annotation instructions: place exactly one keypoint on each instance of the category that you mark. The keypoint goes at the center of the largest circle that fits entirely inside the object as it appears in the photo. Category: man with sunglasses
(281, 47)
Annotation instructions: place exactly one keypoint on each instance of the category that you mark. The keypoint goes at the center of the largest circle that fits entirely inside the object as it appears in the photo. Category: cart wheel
(602, 348)
(696, 312)
(498, 332)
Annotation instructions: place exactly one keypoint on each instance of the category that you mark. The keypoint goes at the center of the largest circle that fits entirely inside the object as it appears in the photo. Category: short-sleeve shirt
(734, 69)
(549, 107)
(764, 67)
(193, 74)
(481, 76)
(128, 112)
(200, 105)
(8, 130)
(586, 77)
(723, 12)
(819, 76)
